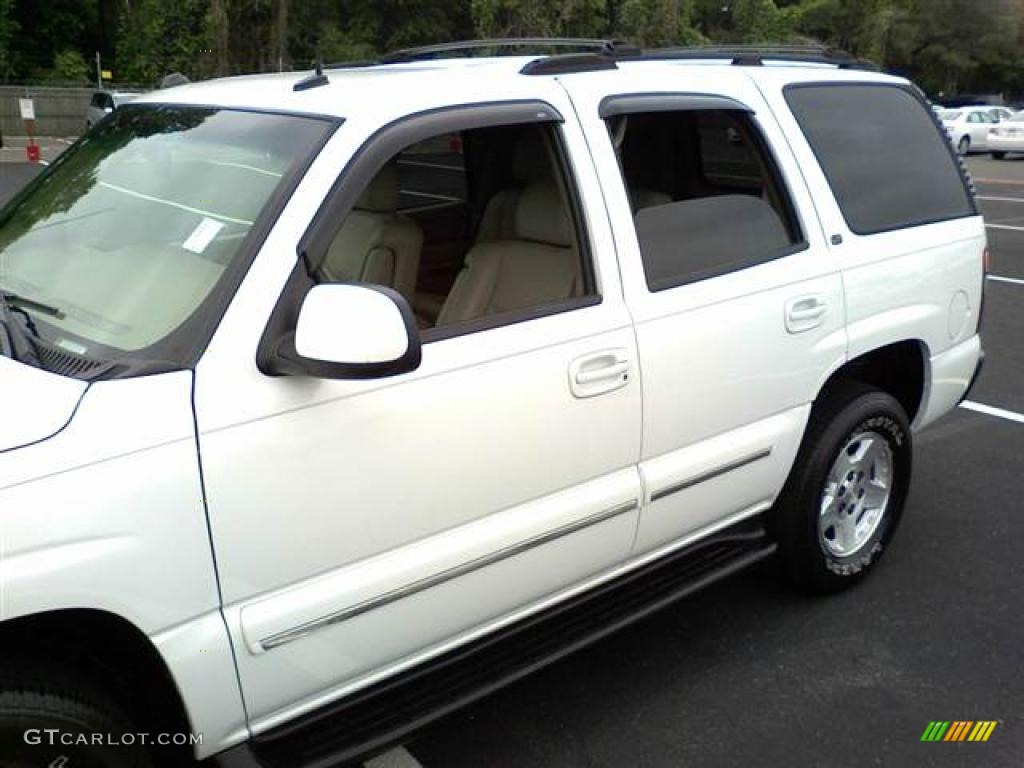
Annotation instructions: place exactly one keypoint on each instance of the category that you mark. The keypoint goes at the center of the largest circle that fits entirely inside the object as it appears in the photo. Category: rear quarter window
(888, 163)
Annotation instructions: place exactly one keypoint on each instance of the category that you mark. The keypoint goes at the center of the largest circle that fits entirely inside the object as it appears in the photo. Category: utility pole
(99, 72)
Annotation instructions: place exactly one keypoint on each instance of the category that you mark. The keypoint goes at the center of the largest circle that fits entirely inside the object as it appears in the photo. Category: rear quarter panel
(921, 283)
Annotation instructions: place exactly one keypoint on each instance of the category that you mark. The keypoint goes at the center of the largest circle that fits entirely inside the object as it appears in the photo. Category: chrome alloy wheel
(856, 494)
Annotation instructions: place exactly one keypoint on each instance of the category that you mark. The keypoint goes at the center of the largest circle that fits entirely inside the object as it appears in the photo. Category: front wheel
(845, 495)
(46, 723)
(964, 146)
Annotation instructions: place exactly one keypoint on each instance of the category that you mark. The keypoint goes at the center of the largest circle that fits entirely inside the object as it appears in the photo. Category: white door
(979, 124)
(360, 526)
(737, 302)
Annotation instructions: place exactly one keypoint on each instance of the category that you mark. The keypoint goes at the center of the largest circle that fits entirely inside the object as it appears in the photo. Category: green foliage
(539, 18)
(69, 66)
(8, 32)
(945, 45)
(658, 22)
(159, 37)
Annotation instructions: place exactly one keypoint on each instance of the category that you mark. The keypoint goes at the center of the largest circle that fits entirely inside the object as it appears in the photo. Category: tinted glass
(133, 228)
(706, 195)
(891, 167)
(432, 173)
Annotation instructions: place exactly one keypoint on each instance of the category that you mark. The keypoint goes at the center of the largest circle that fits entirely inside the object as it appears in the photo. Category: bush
(69, 66)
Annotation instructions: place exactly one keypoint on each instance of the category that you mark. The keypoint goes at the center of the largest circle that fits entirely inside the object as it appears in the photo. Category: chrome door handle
(805, 312)
(599, 372)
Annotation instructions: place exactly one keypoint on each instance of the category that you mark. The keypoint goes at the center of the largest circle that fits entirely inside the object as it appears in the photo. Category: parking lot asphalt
(747, 673)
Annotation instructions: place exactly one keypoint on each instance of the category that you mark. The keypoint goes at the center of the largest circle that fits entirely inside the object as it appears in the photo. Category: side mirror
(347, 331)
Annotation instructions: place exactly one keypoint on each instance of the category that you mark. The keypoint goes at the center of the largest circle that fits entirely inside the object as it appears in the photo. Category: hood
(34, 404)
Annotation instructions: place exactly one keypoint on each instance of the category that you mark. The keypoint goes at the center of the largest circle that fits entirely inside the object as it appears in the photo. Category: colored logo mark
(959, 730)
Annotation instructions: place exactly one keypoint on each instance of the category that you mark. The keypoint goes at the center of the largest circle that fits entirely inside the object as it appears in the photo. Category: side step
(383, 714)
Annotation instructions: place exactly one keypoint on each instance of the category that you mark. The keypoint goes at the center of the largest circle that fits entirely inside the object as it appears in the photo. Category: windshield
(949, 115)
(130, 231)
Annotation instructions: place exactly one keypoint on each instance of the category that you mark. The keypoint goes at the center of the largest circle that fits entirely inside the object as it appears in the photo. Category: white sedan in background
(968, 127)
(1007, 137)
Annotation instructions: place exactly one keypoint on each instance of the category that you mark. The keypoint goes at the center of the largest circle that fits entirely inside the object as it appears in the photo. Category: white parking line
(398, 757)
(1009, 182)
(989, 410)
(1002, 199)
(1000, 279)
(1005, 226)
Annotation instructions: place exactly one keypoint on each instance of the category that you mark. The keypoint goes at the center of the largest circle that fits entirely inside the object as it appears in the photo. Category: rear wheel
(964, 146)
(998, 155)
(845, 495)
(63, 724)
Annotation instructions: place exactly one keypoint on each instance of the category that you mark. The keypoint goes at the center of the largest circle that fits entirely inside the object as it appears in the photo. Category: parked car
(333, 401)
(1000, 113)
(968, 127)
(103, 103)
(1007, 137)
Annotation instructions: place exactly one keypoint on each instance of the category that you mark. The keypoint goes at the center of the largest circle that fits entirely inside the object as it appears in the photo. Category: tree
(8, 32)
(658, 22)
(69, 66)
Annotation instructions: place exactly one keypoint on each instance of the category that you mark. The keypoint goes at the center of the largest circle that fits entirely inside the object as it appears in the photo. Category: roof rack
(756, 55)
(587, 54)
(569, 63)
(510, 45)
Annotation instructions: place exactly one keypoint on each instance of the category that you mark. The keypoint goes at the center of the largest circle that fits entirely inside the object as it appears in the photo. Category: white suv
(331, 402)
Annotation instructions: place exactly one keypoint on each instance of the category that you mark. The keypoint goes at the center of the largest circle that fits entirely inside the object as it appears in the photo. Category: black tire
(846, 411)
(998, 155)
(964, 145)
(86, 722)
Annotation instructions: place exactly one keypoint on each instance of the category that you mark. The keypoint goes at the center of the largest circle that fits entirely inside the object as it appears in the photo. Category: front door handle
(599, 372)
(805, 312)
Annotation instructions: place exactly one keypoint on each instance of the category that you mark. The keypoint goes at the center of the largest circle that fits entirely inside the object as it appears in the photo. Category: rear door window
(886, 160)
(706, 194)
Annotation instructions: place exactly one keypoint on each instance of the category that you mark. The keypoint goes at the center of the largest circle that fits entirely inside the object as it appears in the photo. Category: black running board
(386, 713)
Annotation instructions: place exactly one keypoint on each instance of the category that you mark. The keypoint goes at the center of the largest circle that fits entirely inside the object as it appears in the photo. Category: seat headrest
(529, 160)
(541, 216)
(381, 194)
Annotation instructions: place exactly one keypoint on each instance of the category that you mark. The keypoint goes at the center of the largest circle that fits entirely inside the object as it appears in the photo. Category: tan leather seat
(530, 165)
(539, 266)
(376, 244)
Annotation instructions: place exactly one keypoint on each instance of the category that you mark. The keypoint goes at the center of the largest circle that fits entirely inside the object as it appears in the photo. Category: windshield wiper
(13, 300)
(15, 341)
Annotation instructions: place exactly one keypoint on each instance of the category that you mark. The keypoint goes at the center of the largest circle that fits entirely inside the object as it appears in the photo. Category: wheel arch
(899, 368)
(105, 649)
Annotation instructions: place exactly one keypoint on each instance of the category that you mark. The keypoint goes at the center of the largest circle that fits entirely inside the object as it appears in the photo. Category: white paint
(350, 324)
(990, 410)
(35, 403)
(1005, 226)
(1001, 199)
(27, 108)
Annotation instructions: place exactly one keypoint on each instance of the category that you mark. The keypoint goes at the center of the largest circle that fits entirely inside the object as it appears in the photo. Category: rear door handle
(805, 312)
(599, 372)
